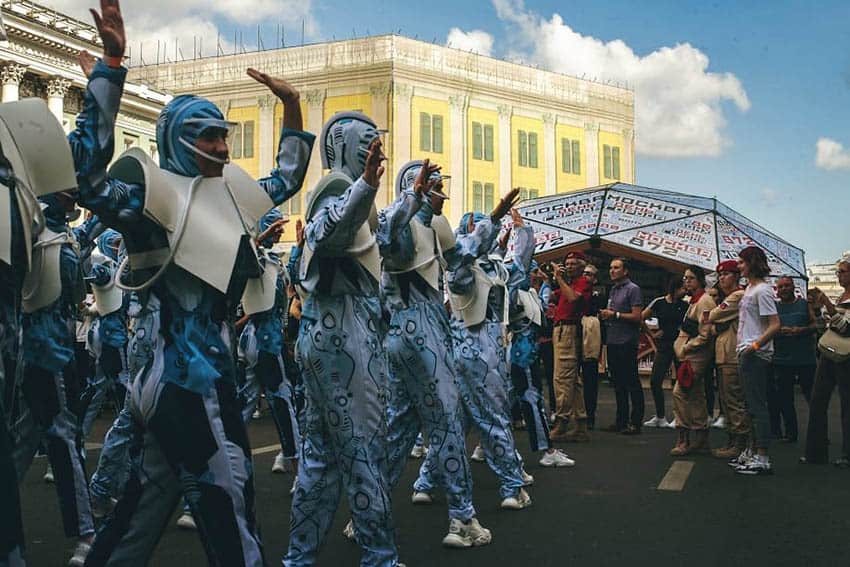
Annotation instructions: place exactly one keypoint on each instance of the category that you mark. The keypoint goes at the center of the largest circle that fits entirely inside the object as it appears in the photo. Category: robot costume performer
(526, 316)
(479, 299)
(23, 179)
(190, 274)
(107, 337)
(341, 354)
(423, 387)
(261, 345)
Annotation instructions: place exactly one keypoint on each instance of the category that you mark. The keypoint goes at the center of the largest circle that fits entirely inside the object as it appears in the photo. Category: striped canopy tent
(662, 228)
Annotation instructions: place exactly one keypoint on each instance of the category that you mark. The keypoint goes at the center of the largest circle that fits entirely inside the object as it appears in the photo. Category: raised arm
(394, 235)
(294, 146)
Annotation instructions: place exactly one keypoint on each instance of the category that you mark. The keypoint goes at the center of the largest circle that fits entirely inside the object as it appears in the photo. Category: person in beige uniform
(694, 347)
(724, 319)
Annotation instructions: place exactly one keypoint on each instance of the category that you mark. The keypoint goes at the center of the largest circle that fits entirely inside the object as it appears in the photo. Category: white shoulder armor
(471, 308)
(35, 145)
(260, 292)
(205, 217)
(445, 235)
(426, 254)
(43, 282)
(530, 303)
(108, 298)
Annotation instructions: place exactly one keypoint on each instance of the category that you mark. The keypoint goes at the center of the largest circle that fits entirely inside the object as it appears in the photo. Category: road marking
(677, 476)
(264, 450)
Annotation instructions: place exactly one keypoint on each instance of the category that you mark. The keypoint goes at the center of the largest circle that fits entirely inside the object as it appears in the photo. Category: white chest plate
(43, 282)
(260, 292)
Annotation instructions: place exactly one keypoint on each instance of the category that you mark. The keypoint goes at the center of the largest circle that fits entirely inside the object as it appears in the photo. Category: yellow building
(491, 124)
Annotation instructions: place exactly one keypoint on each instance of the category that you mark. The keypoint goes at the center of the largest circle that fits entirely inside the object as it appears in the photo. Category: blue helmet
(266, 221)
(109, 243)
(345, 139)
(476, 218)
(178, 127)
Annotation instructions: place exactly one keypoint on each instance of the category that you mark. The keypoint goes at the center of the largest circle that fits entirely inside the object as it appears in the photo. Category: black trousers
(590, 376)
(623, 367)
(547, 366)
(829, 376)
(781, 396)
(664, 357)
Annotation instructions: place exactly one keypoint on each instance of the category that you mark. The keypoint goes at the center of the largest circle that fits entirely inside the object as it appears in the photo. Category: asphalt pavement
(607, 510)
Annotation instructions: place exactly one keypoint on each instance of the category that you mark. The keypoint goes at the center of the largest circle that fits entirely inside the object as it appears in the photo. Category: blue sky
(777, 81)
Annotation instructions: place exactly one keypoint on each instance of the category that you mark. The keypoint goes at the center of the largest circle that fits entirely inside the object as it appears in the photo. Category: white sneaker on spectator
(80, 554)
(422, 498)
(756, 466)
(279, 465)
(186, 521)
(527, 479)
(48, 474)
(719, 423)
(655, 422)
(466, 534)
(557, 458)
(418, 452)
(518, 502)
(477, 455)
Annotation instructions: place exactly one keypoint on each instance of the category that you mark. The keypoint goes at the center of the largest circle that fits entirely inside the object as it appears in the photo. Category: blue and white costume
(22, 223)
(525, 316)
(49, 385)
(191, 438)
(107, 338)
(261, 346)
(341, 354)
(479, 304)
(423, 387)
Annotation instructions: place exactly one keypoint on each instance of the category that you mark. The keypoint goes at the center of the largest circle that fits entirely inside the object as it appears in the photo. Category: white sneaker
(477, 455)
(48, 474)
(655, 422)
(755, 466)
(672, 424)
(418, 452)
(466, 534)
(422, 498)
(294, 485)
(518, 502)
(743, 458)
(257, 414)
(186, 521)
(102, 507)
(719, 423)
(348, 530)
(279, 465)
(527, 479)
(80, 554)
(556, 458)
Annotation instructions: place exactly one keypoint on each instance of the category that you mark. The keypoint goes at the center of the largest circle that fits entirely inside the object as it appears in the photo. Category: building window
(482, 141)
(611, 159)
(241, 140)
(570, 156)
(532, 149)
(526, 193)
(483, 196)
(430, 132)
(488, 142)
(477, 141)
(522, 144)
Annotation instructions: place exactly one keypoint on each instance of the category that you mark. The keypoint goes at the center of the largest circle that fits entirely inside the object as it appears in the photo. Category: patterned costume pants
(424, 397)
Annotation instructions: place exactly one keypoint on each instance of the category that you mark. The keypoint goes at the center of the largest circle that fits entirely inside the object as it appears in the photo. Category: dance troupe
(408, 328)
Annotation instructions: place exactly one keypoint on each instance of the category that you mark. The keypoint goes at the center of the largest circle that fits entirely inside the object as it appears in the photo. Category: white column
(550, 161)
(505, 163)
(315, 117)
(400, 136)
(57, 88)
(591, 145)
(11, 75)
(268, 134)
(381, 115)
(458, 127)
(628, 173)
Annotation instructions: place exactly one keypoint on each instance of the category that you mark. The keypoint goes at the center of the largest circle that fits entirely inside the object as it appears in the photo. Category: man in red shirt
(571, 299)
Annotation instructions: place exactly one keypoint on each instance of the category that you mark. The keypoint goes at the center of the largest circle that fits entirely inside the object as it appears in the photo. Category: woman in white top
(829, 375)
(758, 322)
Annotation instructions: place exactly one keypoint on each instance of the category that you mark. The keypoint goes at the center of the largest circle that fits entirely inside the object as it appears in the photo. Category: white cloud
(181, 21)
(476, 41)
(832, 155)
(678, 102)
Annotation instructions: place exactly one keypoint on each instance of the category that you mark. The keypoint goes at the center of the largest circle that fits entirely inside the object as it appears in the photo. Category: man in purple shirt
(622, 321)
